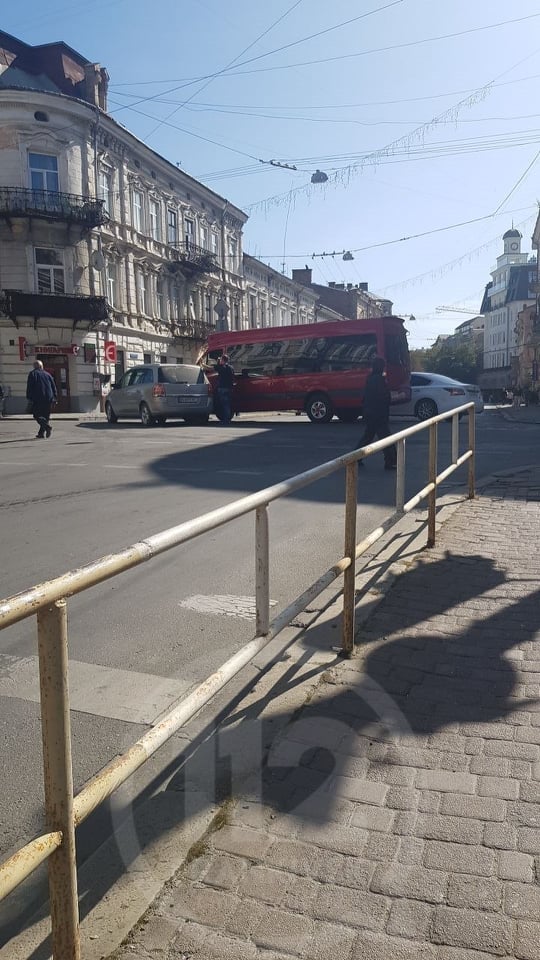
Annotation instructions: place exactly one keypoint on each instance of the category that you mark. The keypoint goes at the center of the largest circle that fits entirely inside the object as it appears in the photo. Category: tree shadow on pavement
(407, 685)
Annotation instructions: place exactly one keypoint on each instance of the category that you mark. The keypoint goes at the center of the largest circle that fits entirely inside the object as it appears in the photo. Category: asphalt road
(140, 641)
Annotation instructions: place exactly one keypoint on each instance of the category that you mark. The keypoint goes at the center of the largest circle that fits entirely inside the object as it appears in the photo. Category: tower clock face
(514, 246)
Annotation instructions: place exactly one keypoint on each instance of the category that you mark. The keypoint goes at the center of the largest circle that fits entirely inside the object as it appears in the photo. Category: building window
(253, 311)
(233, 247)
(263, 313)
(161, 299)
(147, 358)
(189, 232)
(105, 191)
(208, 308)
(43, 172)
(143, 285)
(50, 277)
(236, 316)
(204, 238)
(137, 202)
(163, 358)
(179, 359)
(172, 226)
(155, 219)
(214, 240)
(111, 277)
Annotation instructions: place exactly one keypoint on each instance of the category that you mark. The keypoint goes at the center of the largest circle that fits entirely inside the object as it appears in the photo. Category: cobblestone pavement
(399, 811)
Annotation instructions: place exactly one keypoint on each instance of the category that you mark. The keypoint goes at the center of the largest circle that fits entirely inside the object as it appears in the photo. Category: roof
(518, 283)
(16, 79)
(512, 233)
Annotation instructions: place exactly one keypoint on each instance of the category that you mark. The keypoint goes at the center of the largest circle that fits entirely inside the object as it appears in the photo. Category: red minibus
(319, 368)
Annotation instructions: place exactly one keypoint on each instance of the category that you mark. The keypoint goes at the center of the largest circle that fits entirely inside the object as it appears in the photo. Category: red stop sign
(110, 351)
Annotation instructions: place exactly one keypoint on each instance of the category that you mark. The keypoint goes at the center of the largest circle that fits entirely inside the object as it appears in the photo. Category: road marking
(243, 473)
(243, 608)
(97, 690)
(42, 463)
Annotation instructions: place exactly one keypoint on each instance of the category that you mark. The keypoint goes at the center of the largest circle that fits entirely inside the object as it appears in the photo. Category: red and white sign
(110, 351)
(32, 349)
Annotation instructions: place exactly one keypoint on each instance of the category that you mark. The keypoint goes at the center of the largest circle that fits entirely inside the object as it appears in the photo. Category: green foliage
(420, 360)
(461, 361)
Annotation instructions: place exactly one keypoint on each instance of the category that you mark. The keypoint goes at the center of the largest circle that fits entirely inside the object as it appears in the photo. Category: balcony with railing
(17, 202)
(81, 310)
(191, 259)
(192, 329)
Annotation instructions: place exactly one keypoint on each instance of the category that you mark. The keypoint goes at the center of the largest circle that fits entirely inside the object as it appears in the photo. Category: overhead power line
(226, 71)
(230, 64)
(388, 243)
(362, 53)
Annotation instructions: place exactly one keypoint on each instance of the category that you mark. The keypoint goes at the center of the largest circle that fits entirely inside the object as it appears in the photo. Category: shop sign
(32, 349)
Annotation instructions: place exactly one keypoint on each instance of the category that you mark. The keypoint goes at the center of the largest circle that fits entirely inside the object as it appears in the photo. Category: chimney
(96, 85)
(302, 276)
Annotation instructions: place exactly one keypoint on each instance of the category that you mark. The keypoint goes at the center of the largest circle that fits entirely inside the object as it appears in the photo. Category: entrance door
(119, 366)
(57, 365)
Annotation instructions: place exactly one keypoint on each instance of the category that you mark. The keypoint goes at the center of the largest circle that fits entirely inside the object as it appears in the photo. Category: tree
(420, 359)
(458, 360)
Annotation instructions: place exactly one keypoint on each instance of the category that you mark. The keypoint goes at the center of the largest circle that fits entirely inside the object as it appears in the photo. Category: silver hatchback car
(158, 391)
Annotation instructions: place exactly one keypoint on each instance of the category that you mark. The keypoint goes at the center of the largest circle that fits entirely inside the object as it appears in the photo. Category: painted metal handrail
(48, 602)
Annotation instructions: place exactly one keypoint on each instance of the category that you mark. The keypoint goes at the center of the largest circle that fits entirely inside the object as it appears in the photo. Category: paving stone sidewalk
(398, 816)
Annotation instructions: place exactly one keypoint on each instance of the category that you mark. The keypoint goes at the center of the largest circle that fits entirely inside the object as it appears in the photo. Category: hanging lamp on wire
(348, 255)
(319, 177)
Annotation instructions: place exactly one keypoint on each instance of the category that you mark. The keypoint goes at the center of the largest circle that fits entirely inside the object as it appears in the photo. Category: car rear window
(180, 373)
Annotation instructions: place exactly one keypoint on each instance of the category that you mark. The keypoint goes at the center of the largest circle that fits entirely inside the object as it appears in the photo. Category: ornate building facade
(102, 241)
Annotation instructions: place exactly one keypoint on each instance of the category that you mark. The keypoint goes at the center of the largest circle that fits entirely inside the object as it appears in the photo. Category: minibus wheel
(319, 408)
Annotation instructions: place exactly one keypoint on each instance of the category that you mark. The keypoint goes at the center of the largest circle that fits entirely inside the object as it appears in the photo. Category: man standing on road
(41, 392)
(225, 386)
(376, 412)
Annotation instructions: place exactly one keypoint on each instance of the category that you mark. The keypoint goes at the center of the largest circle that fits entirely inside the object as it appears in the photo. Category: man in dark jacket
(376, 412)
(225, 386)
(41, 392)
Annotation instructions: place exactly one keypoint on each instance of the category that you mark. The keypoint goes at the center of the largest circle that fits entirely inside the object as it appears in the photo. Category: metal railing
(47, 601)
(62, 306)
(52, 205)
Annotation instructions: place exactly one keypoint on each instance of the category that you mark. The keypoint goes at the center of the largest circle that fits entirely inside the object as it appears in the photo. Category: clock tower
(512, 242)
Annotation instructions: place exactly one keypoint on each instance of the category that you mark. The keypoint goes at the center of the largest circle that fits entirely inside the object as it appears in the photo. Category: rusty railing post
(262, 572)
(400, 479)
(432, 495)
(58, 778)
(455, 437)
(472, 446)
(351, 496)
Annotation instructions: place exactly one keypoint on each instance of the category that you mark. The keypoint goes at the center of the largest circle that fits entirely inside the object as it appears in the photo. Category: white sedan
(432, 393)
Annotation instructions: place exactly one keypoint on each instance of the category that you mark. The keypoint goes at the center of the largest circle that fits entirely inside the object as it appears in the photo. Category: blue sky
(429, 131)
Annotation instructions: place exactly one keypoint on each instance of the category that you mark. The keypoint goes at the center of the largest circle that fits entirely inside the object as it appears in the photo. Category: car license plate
(187, 399)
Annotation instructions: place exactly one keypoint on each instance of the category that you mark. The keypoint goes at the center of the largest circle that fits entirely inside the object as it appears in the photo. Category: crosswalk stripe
(95, 689)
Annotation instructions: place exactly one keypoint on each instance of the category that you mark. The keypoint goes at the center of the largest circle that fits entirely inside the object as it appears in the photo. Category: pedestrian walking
(3, 397)
(376, 412)
(41, 393)
(224, 391)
